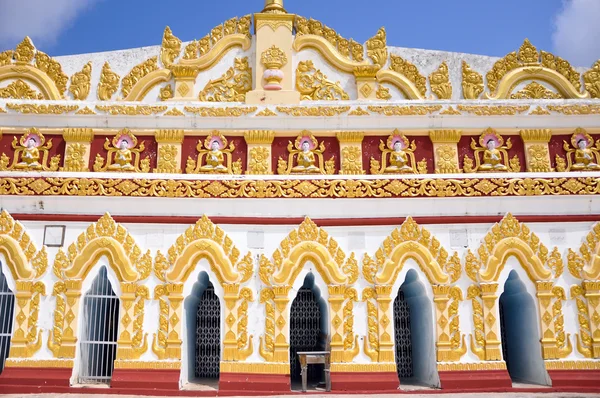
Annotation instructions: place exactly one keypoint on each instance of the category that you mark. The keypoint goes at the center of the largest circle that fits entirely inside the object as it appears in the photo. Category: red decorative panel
(150, 149)
(58, 146)
(480, 380)
(555, 146)
(370, 148)
(279, 149)
(190, 143)
(464, 148)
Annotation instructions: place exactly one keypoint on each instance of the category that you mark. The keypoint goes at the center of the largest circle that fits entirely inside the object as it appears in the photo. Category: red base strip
(149, 379)
(575, 378)
(244, 382)
(373, 381)
(475, 380)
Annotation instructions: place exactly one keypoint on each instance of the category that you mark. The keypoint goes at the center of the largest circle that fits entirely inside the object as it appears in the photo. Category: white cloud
(576, 36)
(42, 20)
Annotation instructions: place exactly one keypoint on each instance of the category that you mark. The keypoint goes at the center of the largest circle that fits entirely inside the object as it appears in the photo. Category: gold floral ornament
(440, 82)
(104, 238)
(108, 84)
(491, 155)
(582, 155)
(214, 157)
(472, 82)
(308, 242)
(26, 265)
(273, 59)
(314, 86)
(398, 157)
(124, 154)
(416, 87)
(204, 240)
(529, 64)
(377, 48)
(534, 90)
(170, 48)
(166, 93)
(234, 26)
(19, 89)
(232, 86)
(505, 239)
(591, 78)
(308, 155)
(411, 241)
(137, 73)
(31, 153)
(81, 82)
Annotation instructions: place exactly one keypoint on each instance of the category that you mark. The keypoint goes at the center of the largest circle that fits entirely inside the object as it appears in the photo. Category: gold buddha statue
(30, 158)
(122, 159)
(305, 160)
(584, 157)
(492, 158)
(398, 161)
(214, 159)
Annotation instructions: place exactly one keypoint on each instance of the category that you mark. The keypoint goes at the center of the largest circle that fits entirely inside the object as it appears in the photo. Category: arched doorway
(519, 330)
(413, 334)
(203, 313)
(7, 307)
(98, 345)
(308, 331)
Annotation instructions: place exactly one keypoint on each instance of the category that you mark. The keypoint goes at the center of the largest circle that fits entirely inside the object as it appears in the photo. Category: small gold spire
(274, 7)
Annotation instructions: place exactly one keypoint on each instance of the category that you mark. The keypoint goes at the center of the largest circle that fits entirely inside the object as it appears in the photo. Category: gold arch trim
(328, 51)
(218, 51)
(586, 263)
(15, 259)
(525, 255)
(146, 83)
(416, 251)
(401, 82)
(196, 251)
(33, 75)
(516, 76)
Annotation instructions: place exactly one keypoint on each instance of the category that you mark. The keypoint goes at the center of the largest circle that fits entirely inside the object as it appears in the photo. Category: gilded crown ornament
(273, 59)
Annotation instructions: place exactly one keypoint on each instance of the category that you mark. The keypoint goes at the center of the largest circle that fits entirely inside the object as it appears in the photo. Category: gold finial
(274, 7)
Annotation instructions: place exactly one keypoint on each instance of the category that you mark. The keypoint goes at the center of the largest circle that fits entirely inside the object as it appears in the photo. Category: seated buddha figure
(305, 160)
(584, 157)
(214, 159)
(492, 158)
(30, 158)
(398, 161)
(122, 161)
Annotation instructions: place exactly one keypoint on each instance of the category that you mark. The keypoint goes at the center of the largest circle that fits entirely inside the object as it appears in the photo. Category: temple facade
(184, 219)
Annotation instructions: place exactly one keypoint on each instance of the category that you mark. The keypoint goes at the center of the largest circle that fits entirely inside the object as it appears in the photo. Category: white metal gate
(7, 306)
(100, 327)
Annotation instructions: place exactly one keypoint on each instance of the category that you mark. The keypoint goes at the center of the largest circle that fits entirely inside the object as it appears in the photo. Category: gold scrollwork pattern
(108, 84)
(232, 86)
(440, 82)
(313, 84)
(19, 89)
(472, 82)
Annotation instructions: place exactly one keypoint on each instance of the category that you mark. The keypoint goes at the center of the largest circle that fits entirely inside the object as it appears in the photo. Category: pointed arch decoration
(35, 67)
(530, 64)
(509, 238)
(584, 265)
(104, 238)
(311, 243)
(411, 241)
(204, 240)
(27, 265)
(405, 76)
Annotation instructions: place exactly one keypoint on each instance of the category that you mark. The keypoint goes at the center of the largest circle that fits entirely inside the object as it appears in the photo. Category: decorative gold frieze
(327, 111)
(132, 110)
(204, 111)
(85, 111)
(169, 136)
(398, 110)
(445, 136)
(259, 136)
(493, 110)
(537, 155)
(77, 150)
(347, 48)
(472, 366)
(266, 112)
(147, 365)
(575, 109)
(42, 109)
(358, 111)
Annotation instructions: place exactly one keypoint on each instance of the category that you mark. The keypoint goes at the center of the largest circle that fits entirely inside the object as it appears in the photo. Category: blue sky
(485, 27)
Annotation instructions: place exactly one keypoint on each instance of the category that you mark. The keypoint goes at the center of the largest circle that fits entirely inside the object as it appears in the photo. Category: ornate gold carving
(147, 365)
(166, 93)
(491, 155)
(24, 52)
(19, 89)
(169, 136)
(174, 112)
(588, 316)
(313, 110)
(526, 65)
(39, 363)
(475, 366)
(42, 109)
(572, 365)
(309, 157)
(397, 110)
(383, 93)
(132, 110)
(204, 111)
(170, 48)
(85, 111)
(410, 71)
(255, 368)
(167, 159)
(273, 58)
(534, 90)
(556, 343)
(363, 367)
(445, 136)
(358, 111)
(352, 161)
(81, 82)
(348, 49)
(53, 69)
(485, 342)
(259, 161)
(440, 82)
(259, 136)
(214, 157)
(575, 109)
(538, 159)
(137, 73)
(472, 82)
(411, 240)
(313, 84)
(273, 188)
(124, 154)
(232, 86)
(166, 344)
(31, 153)
(377, 48)
(450, 343)
(586, 264)
(591, 79)
(235, 31)
(108, 84)
(446, 160)
(266, 112)
(450, 111)
(539, 111)
(75, 157)
(397, 157)
(493, 110)
(581, 155)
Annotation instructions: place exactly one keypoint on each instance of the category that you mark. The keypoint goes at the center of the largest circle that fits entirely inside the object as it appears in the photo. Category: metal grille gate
(7, 306)
(208, 335)
(305, 332)
(100, 328)
(404, 364)
(503, 335)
